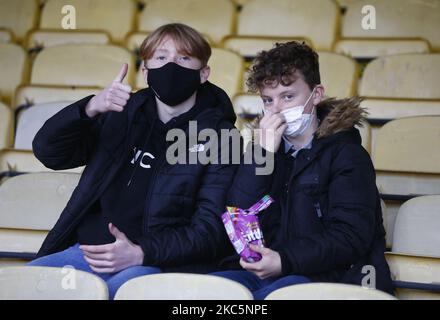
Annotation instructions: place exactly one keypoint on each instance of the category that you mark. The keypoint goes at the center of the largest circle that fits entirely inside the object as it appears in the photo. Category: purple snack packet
(243, 228)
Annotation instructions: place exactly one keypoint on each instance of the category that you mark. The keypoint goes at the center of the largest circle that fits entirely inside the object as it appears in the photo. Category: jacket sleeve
(349, 222)
(68, 138)
(204, 239)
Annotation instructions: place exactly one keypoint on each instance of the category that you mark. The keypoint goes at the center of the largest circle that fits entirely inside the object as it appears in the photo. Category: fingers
(281, 129)
(272, 121)
(117, 101)
(115, 107)
(121, 94)
(103, 270)
(251, 266)
(122, 87)
(276, 120)
(105, 248)
(99, 263)
(258, 249)
(99, 256)
(246, 265)
(122, 73)
(116, 233)
(255, 267)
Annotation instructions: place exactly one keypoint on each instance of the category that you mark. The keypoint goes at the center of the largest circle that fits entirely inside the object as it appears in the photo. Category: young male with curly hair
(326, 222)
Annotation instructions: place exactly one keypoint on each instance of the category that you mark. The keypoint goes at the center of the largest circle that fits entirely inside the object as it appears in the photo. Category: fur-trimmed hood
(338, 115)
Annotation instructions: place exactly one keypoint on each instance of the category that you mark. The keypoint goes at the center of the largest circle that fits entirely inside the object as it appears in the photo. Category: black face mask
(173, 84)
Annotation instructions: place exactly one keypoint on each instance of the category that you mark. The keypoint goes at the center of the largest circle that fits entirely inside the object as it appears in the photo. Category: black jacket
(181, 224)
(326, 222)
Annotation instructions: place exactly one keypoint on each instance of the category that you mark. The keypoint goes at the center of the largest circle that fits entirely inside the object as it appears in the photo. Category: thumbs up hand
(113, 98)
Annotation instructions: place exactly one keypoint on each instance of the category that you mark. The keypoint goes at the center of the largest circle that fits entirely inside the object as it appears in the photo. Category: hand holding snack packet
(243, 228)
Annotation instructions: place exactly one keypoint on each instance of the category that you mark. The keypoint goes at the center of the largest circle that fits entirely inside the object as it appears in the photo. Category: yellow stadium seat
(415, 257)
(400, 86)
(89, 65)
(133, 41)
(249, 47)
(13, 66)
(13, 161)
(314, 20)
(389, 109)
(182, 286)
(240, 2)
(115, 17)
(6, 126)
(339, 74)
(31, 119)
(19, 16)
(328, 291)
(345, 3)
(5, 36)
(29, 207)
(369, 48)
(248, 105)
(45, 283)
(412, 76)
(396, 20)
(382, 110)
(409, 145)
(406, 158)
(39, 39)
(416, 227)
(29, 95)
(226, 71)
(212, 18)
(416, 277)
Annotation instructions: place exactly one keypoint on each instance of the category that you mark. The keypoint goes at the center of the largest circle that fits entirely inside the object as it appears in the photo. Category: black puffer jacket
(327, 220)
(181, 224)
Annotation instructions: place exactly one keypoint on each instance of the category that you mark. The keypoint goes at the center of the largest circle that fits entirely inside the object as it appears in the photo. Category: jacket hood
(338, 115)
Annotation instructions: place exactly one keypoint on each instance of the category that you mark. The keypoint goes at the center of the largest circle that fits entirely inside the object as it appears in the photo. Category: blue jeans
(74, 257)
(260, 288)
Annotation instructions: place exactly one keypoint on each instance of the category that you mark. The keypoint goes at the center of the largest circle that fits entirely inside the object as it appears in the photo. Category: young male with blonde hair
(133, 213)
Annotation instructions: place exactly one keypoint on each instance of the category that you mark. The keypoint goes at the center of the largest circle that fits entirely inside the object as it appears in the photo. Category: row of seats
(42, 283)
(26, 216)
(396, 85)
(408, 25)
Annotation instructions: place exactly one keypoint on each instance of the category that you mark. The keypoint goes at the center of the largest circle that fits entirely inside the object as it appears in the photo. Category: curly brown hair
(279, 65)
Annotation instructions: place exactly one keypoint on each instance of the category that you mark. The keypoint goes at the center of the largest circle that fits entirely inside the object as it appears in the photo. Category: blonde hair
(188, 41)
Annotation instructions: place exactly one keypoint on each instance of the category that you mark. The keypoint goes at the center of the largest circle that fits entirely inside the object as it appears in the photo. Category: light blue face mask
(297, 121)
